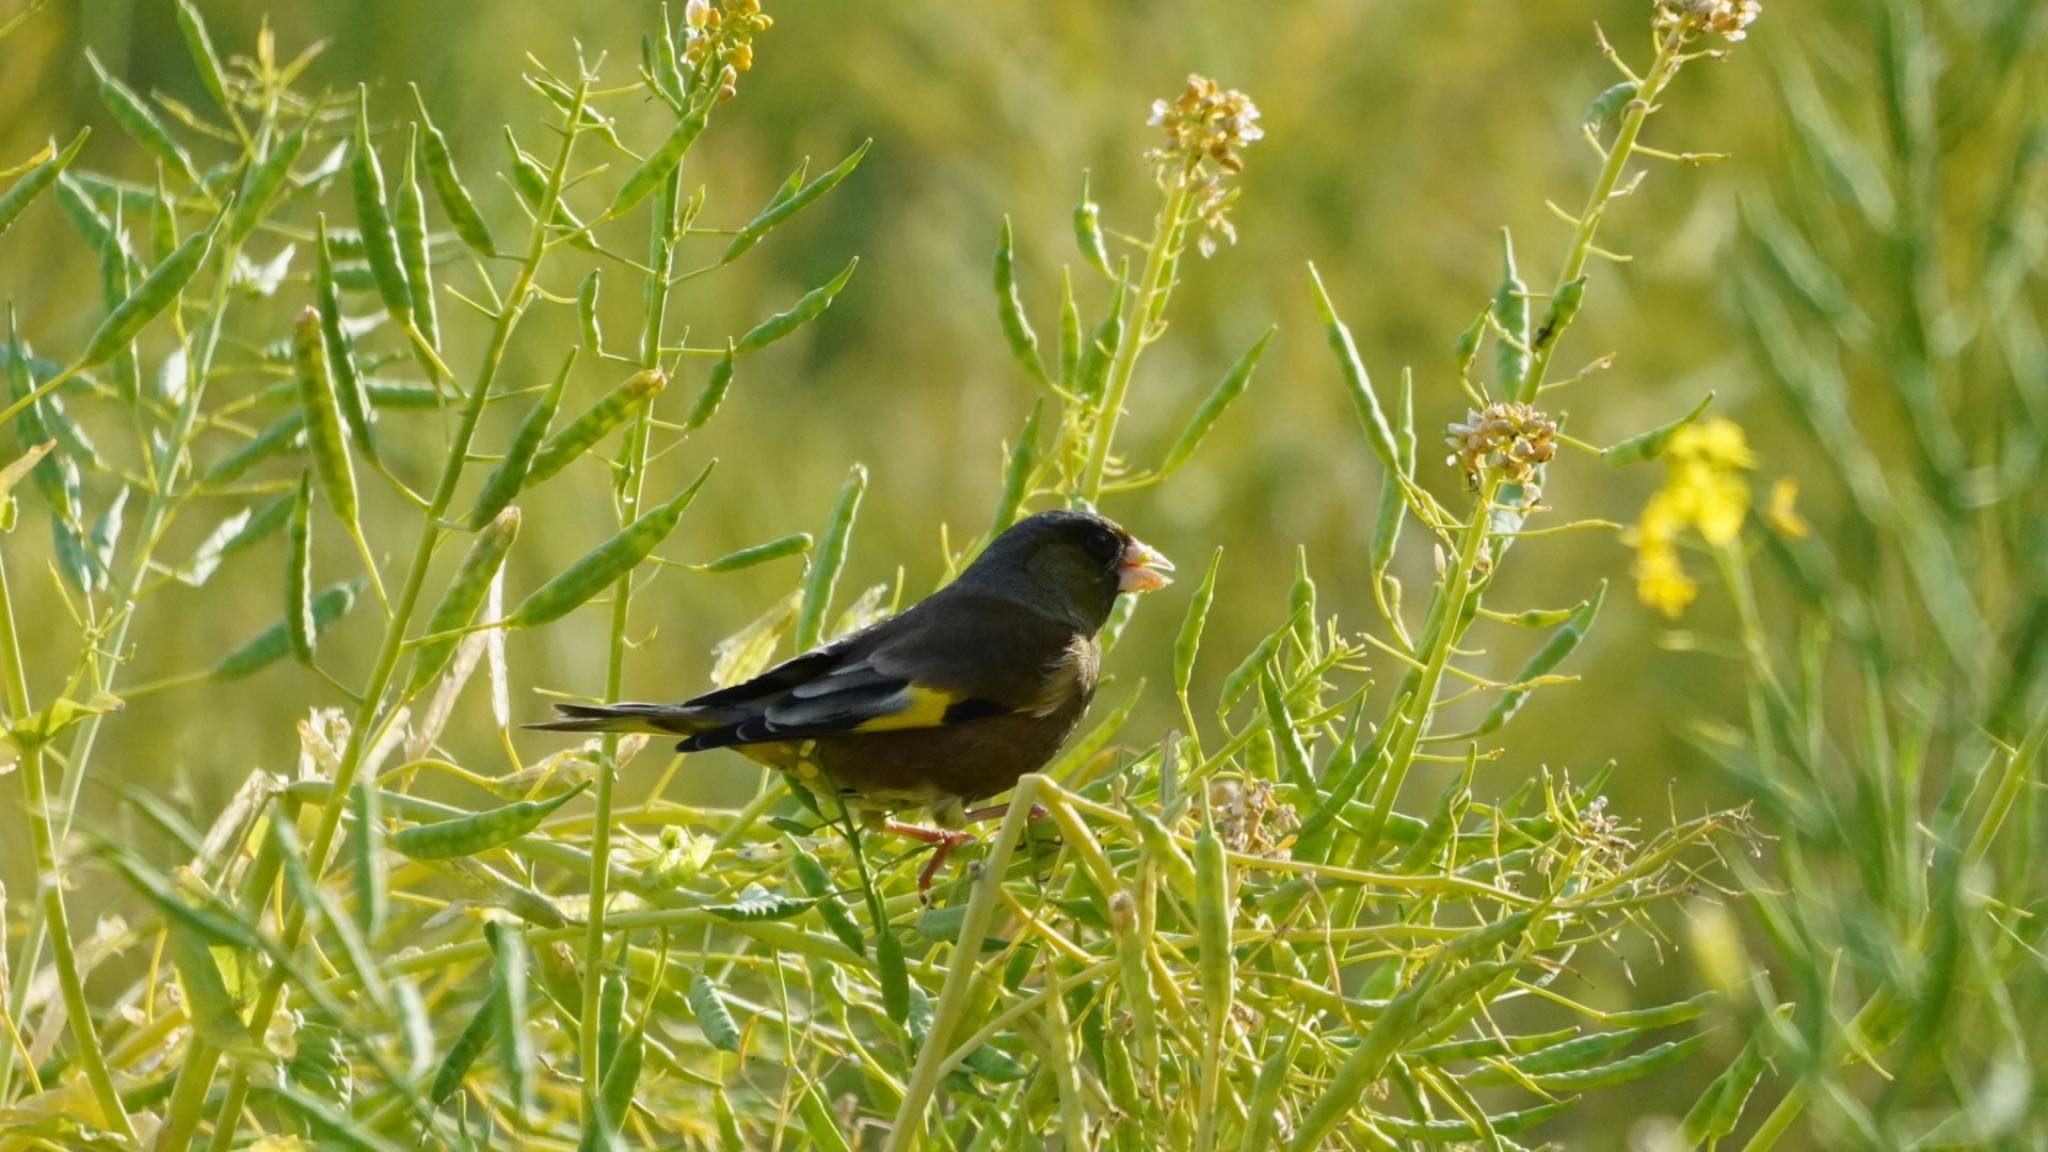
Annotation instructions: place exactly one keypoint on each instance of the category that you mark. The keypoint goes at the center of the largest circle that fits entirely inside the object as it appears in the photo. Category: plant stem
(365, 721)
(50, 878)
(1662, 69)
(1153, 287)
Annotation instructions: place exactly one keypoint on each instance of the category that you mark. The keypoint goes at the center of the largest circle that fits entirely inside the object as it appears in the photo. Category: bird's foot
(946, 839)
(998, 811)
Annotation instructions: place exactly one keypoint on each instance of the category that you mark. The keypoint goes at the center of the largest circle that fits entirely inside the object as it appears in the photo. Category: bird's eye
(1104, 545)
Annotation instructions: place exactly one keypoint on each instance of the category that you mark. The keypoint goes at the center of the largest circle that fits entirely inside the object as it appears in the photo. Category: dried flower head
(723, 33)
(1509, 439)
(1730, 18)
(1249, 817)
(1205, 127)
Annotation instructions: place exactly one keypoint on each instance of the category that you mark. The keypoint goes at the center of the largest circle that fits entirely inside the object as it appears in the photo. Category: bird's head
(1070, 562)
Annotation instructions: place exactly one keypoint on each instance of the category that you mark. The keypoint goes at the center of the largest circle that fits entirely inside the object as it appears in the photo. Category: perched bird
(942, 705)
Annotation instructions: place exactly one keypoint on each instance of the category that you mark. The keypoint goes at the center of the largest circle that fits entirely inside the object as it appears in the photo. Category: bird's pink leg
(946, 839)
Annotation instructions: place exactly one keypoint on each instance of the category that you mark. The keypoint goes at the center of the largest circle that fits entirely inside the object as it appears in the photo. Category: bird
(944, 704)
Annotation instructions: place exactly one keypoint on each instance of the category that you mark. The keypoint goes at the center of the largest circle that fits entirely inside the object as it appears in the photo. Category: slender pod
(23, 191)
(790, 202)
(806, 309)
(273, 643)
(411, 222)
(1017, 469)
(1379, 435)
(716, 386)
(1393, 504)
(1017, 330)
(823, 577)
(1189, 640)
(599, 568)
(261, 182)
(349, 392)
(380, 243)
(1213, 405)
(366, 862)
(469, 1044)
(479, 831)
(138, 121)
(586, 314)
(1558, 314)
(322, 411)
(711, 1013)
(515, 1044)
(891, 971)
(1088, 230)
(200, 45)
(660, 162)
(578, 435)
(1092, 373)
(1560, 645)
(298, 573)
(157, 292)
(794, 544)
(1650, 445)
(466, 590)
(1511, 310)
(280, 435)
(448, 188)
(506, 480)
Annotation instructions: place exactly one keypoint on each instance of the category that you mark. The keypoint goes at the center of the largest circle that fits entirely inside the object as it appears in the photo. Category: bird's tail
(671, 719)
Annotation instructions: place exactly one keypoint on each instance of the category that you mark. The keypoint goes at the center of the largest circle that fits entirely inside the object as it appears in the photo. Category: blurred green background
(1401, 135)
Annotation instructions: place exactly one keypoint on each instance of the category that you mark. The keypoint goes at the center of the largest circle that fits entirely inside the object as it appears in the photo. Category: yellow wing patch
(924, 708)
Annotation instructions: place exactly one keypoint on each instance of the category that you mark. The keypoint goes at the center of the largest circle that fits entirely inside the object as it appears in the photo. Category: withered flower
(1508, 439)
(1206, 125)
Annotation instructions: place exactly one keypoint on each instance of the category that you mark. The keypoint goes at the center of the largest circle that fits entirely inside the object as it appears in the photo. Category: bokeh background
(1401, 136)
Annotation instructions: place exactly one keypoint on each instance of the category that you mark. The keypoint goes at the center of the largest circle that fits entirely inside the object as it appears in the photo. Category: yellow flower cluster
(725, 31)
(1703, 490)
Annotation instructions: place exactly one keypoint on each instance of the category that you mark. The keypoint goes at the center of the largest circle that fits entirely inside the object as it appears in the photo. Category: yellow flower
(1781, 510)
(1704, 490)
(1661, 583)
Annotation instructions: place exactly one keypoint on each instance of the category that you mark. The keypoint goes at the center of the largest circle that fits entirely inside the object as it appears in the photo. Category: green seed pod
(1720, 1107)
(789, 202)
(38, 178)
(1017, 469)
(208, 1004)
(1663, 1015)
(601, 566)
(156, 293)
(341, 357)
(586, 314)
(1164, 851)
(1558, 315)
(366, 863)
(480, 831)
(469, 1044)
(1606, 108)
(1213, 405)
(1379, 435)
(712, 1016)
(1093, 372)
(1553, 652)
(802, 312)
(794, 544)
(1487, 1046)
(280, 435)
(260, 183)
(465, 594)
(622, 1078)
(1286, 740)
(200, 45)
(515, 1045)
(1070, 334)
(411, 221)
(820, 1125)
(298, 574)
(71, 439)
(1248, 670)
(104, 535)
(274, 643)
(163, 222)
(893, 974)
(1443, 823)
(455, 202)
(1651, 444)
(823, 577)
(1433, 1132)
(1017, 329)
(116, 282)
(660, 162)
(509, 476)
(235, 534)
(1393, 505)
(531, 182)
(1622, 1071)
(1566, 1056)
(400, 394)
(324, 441)
(757, 904)
(138, 121)
(1189, 641)
(1212, 924)
(380, 244)
(1088, 230)
(715, 387)
(1465, 349)
(1511, 309)
(591, 425)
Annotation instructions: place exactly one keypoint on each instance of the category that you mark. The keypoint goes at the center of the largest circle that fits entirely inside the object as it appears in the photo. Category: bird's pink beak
(1143, 568)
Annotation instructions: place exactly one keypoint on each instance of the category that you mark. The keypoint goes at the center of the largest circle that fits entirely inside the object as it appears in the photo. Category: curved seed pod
(892, 973)
(200, 45)
(712, 1016)
(1650, 445)
(586, 314)
(479, 832)
(465, 594)
(802, 312)
(1093, 371)
(1393, 506)
(1552, 653)
(469, 1044)
(153, 295)
(298, 574)
(515, 1045)
(380, 244)
(794, 544)
(138, 121)
(622, 1077)
(510, 475)
(715, 387)
(38, 178)
(273, 643)
(1622, 1071)
(317, 401)
(341, 357)
(660, 162)
(831, 557)
(1558, 314)
(785, 206)
(1189, 640)
(116, 281)
(1379, 435)
(280, 435)
(1010, 309)
(1088, 231)
(366, 863)
(1511, 308)
(261, 182)
(455, 201)
(1017, 472)
(1227, 389)
(411, 222)
(576, 437)
(1070, 334)
(163, 221)
(1720, 1107)
(603, 565)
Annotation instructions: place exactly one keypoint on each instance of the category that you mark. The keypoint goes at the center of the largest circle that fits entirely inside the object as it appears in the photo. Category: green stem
(50, 879)
(366, 717)
(1154, 285)
(1662, 69)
